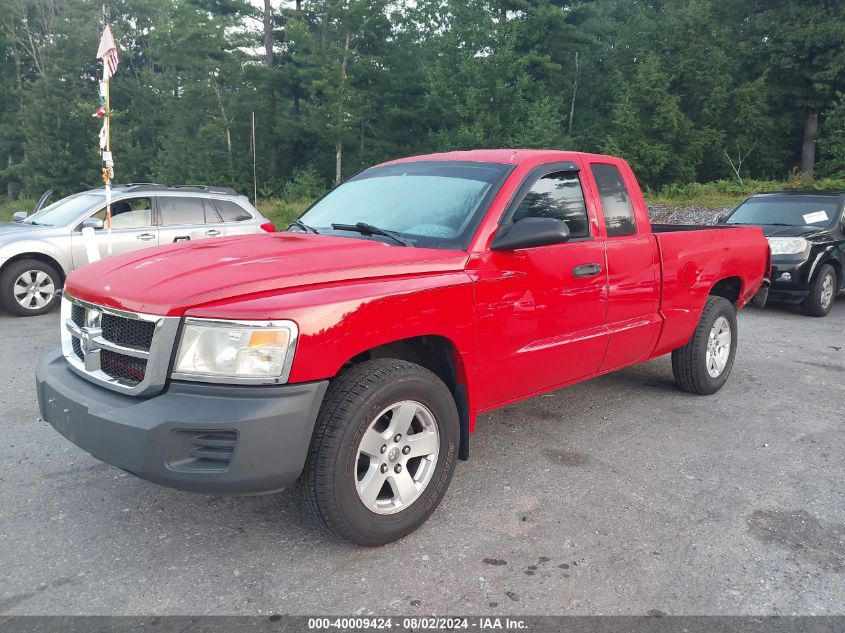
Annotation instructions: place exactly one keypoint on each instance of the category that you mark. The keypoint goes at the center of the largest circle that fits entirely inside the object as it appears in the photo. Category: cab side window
(131, 213)
(557, 195)
(176, 210)
(615, 201)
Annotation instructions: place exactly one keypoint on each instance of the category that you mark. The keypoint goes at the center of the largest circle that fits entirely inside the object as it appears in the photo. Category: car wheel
(383, 451)
(822, 292)
(29, 287)
(703, 365)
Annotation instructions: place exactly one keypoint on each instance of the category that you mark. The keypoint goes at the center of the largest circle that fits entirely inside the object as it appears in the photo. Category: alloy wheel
(396, 457)
(34, 289)
(718, 347)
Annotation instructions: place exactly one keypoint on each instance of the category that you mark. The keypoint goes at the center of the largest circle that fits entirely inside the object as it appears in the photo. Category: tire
(42, 281)
(698, 371)
(823, 291)
(356, 416)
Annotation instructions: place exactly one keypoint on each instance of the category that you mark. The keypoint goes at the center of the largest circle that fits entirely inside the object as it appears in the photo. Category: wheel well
(438, 355)
(729, 288)
(41, 257)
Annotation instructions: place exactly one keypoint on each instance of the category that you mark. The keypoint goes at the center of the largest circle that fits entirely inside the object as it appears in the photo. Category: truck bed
(691, 264)
(676, 228)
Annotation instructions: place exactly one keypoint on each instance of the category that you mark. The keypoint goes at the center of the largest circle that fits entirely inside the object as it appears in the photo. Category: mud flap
(762, 295)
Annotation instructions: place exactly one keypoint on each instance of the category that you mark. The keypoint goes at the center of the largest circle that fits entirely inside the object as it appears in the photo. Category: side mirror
(530, 232)
(92, 223)
(19, 216)
(720, 219)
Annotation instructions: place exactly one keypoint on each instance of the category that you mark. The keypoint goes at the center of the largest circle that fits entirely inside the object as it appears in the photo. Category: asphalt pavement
(618, 496)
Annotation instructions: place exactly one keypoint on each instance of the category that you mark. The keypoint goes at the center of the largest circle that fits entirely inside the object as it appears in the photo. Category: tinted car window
(175, 210)
(558, 195)
(793, 210)
(615, 201)
(231, 211)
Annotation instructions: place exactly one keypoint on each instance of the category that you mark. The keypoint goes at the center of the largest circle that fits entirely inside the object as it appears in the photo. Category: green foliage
(10, 207)
(726, 193)
(681, 88)
(283, 211)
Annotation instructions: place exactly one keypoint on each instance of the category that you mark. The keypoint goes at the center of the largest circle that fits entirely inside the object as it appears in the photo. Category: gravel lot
(618, 496)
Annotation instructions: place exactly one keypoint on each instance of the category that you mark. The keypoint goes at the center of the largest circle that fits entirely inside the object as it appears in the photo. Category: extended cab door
(633, 265)
(541, 311)
(184, 218)
(133, 228)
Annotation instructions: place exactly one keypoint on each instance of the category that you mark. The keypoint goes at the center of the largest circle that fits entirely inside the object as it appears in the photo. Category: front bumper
(796, 288)
(212, 439)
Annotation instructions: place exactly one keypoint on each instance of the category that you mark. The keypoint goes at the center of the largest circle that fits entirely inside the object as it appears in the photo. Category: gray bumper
(203, 438)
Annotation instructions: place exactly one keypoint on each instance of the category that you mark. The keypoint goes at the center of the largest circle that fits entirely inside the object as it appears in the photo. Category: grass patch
(282, 212)
(729, 193)
(8, 208)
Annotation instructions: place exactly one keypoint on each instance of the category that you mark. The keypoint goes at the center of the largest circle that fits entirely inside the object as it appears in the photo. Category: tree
(800, 44)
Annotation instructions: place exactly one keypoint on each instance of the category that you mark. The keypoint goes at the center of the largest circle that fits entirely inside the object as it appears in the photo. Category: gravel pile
(665, 214)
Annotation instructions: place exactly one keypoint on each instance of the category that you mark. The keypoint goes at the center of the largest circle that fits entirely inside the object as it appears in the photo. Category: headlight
(788, 245)
(236, 351)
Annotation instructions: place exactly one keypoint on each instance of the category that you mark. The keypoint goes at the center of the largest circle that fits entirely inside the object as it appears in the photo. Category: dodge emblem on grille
(91, 330)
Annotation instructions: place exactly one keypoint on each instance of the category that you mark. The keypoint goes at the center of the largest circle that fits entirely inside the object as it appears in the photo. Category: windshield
(66, 210)
(434, 204)
(817, 211)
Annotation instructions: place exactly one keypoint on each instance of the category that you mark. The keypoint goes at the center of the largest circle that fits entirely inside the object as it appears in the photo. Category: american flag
(108, 53)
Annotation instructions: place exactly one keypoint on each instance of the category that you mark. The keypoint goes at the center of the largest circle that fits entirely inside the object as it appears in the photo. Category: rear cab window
(619, 218)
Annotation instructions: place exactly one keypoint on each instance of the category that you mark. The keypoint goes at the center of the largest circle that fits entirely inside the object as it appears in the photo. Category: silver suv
(39, 251)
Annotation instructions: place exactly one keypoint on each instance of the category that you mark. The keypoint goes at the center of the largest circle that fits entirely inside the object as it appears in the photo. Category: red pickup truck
(353, 353)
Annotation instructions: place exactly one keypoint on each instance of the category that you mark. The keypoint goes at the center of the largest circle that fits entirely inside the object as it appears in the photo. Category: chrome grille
(125, 369)
(124, 351)
(128, 332)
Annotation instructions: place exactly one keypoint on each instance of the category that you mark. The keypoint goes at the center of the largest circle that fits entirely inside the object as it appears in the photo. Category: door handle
(146, 237)
(586, 270)
(212, 233)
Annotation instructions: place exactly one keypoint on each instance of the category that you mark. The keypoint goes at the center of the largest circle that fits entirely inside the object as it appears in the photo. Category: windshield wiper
(304, 227)
(368, 229)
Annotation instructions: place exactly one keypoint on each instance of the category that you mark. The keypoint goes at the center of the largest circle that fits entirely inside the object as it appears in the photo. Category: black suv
(806, 232)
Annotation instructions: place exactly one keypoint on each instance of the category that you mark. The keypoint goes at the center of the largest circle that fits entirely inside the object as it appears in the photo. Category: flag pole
(107, 159)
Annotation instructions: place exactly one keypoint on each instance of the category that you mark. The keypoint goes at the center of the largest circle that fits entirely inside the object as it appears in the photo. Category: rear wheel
(703, 365)
(29, 287)
(822, 292)
(383, 452)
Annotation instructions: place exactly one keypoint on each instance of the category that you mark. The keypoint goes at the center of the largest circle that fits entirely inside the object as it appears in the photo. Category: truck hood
(168, 280)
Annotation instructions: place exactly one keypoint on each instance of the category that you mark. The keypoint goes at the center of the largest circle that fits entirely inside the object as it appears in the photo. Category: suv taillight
(269, 227)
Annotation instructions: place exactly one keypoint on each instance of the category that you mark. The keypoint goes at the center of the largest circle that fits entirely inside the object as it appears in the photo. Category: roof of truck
(505, 156)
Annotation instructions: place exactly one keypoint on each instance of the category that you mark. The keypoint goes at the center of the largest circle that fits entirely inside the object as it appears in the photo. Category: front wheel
(29, 287)
(703, 365)
(383, 451)
(822, 293)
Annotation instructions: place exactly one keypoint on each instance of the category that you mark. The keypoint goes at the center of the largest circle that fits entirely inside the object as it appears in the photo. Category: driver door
(132, 229)
(540, 311)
